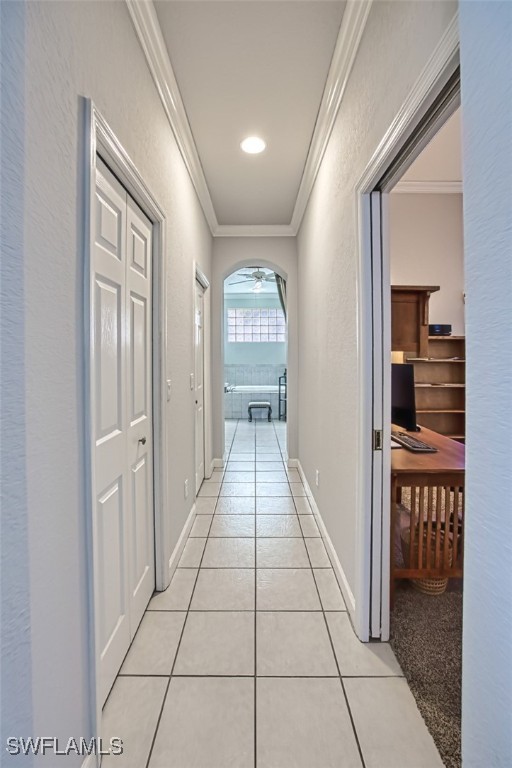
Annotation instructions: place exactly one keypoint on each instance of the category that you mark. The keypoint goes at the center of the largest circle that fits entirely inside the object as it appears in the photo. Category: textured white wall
(71, 50)
(397, 42)
(230, 253)
(427, 248)
(486, 60)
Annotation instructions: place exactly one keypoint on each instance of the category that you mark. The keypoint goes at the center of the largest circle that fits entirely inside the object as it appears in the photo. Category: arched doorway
(255, 346)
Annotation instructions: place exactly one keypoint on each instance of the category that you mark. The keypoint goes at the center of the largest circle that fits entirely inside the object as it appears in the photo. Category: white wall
(58, 53)
(486, 49)
(396, 44)
(427, 248)
(229, 254)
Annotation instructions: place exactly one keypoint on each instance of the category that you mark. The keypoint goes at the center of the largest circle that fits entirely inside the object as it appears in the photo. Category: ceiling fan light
(253, 145)
(257, 286)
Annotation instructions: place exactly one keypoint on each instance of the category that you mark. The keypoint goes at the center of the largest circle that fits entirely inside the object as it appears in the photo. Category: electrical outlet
(168, 390)
(317, 478)
(186, 489)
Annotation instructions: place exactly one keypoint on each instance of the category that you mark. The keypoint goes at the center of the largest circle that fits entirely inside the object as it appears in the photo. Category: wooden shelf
(439, 410)
(447, 385)
(435, 360)
(439, 361)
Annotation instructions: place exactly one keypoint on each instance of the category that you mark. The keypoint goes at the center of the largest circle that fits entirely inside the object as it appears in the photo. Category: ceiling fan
(258, 276)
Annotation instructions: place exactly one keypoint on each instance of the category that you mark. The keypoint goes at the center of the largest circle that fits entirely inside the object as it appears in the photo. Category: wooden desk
(436, 483)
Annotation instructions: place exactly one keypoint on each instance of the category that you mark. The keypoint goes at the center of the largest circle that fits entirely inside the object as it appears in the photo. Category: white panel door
(140, 412)
(111, 491)
(123, 526)
(199, 383)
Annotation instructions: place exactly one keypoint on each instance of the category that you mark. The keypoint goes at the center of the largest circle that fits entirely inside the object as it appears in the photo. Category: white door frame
(373, 521)
(200, 277)
(99, 139)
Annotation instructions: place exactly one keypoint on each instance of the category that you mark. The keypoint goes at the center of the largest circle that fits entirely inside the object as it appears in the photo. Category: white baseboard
(180, 544)
(210, 469)
(293, 463)
(347, 593)
(219, 463)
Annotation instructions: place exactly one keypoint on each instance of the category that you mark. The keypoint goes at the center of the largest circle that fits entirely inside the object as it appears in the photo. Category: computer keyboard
(412, 443)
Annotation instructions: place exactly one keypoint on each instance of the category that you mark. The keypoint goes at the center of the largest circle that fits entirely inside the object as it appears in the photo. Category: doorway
(199, 321)
(418, 520)
(255, 350)
(125, 394)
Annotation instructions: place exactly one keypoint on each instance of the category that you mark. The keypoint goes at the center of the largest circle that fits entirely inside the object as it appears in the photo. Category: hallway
(249, 658)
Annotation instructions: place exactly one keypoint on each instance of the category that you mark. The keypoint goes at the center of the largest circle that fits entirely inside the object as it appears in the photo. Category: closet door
(123, 526)
(140, 413)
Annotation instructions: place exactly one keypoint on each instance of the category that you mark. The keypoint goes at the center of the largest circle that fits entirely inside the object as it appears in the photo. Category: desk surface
(450, 456)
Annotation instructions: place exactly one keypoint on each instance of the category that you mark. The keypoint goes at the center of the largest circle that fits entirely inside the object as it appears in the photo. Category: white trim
(147, 27)
(341, 578)
(100, 140)
(219, 463)
(351, 31)
(180, 544)
(437, 72)
(254, 230)
(293, 463)
(428, 188)
(441, 65)
(211, 468)
(148, 30)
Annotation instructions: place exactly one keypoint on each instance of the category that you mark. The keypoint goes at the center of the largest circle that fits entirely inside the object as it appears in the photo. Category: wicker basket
(430, 586)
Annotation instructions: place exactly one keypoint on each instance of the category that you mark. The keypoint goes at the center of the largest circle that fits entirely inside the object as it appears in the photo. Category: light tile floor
(249, 657)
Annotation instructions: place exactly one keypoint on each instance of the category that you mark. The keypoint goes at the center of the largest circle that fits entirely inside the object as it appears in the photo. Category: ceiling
(441, 160)
(247, 287)
(245, 68)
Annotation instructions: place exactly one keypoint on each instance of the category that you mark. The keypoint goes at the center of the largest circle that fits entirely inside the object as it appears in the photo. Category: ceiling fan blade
(239, 282)
(270, 278)
(245, 274)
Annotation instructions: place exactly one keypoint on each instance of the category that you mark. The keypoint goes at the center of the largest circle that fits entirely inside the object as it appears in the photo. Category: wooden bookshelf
(440, 386)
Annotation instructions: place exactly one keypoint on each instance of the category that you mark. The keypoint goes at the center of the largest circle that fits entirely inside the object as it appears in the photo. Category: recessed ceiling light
(253, 145)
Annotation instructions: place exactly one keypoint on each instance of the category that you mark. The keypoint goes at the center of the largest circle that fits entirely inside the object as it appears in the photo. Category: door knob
(142, 440)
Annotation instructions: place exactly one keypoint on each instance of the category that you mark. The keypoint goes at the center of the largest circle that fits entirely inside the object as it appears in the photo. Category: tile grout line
(332, 646)
(331, 642)
(181, 636)
(255, 607)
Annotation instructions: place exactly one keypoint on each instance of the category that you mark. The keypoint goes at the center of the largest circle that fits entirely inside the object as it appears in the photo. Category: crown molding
(150, 36)
(442, 63)
(428, 187)
(254, 230)
(349, 37)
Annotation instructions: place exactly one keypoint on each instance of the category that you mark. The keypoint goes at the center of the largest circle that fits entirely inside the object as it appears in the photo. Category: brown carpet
(426, 636)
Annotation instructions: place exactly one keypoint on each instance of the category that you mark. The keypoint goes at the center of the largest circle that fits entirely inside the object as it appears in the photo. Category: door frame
(200, 277)
(99, 139)
(371, 617)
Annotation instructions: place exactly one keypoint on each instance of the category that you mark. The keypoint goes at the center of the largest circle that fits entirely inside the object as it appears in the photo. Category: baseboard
(335, 561)
(180, 544)
(293, 463)
(209, 473)
(219, 463)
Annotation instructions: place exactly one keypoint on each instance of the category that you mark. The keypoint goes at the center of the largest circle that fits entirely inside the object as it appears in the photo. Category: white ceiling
(441, 160)
(251, 67)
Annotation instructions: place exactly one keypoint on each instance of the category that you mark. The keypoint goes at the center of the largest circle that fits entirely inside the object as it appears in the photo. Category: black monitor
(403, 400)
